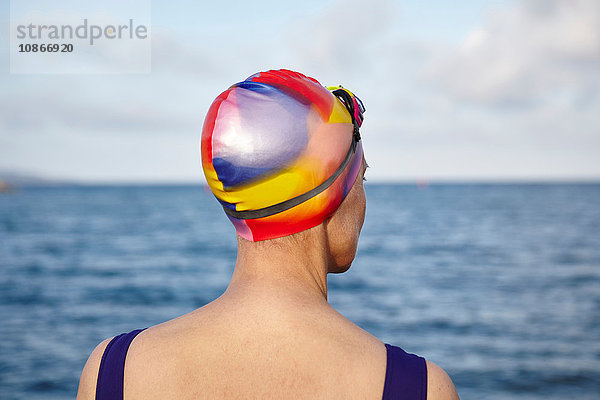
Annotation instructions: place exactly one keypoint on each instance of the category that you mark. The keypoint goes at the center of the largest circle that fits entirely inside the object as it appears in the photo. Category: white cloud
(344, 39)
(535, 53)
(46, 112)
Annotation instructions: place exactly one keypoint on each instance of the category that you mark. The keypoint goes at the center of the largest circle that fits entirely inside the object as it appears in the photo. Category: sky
(454, 91)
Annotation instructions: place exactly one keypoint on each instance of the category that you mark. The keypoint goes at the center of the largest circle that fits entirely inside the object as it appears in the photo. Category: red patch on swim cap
(209, 126)
(301, 87)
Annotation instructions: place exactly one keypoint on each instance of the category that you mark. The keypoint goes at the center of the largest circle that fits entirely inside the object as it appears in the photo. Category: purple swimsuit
(405, 375)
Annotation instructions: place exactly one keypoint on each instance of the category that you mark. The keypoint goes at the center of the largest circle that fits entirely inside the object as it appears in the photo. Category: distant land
(16, 178)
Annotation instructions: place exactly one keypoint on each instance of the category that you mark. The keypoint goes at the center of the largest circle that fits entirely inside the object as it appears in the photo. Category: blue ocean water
(498, 284)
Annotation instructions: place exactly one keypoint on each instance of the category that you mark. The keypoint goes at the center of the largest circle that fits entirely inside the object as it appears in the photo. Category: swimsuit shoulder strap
(112, 367)
(405, 375)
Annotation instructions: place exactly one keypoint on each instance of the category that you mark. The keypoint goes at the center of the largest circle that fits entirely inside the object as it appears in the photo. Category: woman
(283, 156)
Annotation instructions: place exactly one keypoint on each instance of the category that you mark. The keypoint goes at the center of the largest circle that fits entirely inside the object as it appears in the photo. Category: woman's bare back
(255, 349)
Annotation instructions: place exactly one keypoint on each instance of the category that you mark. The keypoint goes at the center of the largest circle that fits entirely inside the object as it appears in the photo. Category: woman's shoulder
(439, 384)
(411, 373)
(89, 375)
(110, 352)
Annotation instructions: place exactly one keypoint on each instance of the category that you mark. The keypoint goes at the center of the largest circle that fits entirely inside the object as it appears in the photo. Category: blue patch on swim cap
(233, 175)
(255, 86)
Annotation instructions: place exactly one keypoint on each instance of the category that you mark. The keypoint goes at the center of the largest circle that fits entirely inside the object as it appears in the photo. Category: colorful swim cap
(280, 152)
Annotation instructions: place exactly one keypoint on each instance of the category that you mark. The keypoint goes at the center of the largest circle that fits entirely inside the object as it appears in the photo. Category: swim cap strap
(293, 202)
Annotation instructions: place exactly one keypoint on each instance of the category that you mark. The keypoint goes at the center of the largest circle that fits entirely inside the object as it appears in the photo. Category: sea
(499, 284)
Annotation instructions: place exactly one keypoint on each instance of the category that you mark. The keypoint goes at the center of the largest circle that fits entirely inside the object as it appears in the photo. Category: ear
(344, 226)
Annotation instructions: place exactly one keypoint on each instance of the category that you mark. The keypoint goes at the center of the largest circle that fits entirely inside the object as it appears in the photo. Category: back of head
(280, 152)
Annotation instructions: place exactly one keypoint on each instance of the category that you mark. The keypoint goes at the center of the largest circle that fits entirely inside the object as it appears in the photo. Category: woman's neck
(296, 268)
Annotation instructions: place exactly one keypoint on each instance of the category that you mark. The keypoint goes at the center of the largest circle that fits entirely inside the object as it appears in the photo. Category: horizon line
(400, 181)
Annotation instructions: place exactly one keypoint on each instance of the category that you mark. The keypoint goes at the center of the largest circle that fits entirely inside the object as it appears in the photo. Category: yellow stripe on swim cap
(314, 166)
(339, 113)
